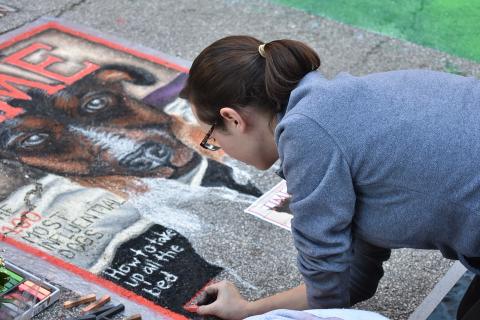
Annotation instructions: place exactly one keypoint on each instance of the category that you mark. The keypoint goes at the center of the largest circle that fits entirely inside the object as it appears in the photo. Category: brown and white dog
(96, 134)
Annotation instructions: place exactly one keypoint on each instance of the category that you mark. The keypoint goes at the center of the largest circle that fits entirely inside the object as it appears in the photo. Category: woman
(383, 161)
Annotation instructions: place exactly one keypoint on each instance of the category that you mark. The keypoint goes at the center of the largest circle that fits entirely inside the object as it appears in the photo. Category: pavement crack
(35, 192)
(70, 7)
(374, 49)
(31, 194)
(20, 25)
(57, 15)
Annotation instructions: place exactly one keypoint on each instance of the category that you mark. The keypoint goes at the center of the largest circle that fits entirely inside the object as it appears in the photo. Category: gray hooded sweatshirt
(392, 158)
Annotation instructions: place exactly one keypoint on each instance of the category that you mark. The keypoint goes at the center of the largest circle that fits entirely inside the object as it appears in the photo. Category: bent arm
(229, 303)
(294, 299)
(323, 205)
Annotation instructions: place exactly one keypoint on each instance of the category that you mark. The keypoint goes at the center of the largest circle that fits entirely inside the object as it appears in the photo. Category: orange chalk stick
(82, 300)
(31, 291)
(191, 308)
(97, 304)
(134, 317)
(37, 288)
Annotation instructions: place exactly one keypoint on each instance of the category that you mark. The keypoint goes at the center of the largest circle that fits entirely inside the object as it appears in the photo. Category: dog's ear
(37, 103)
(120, 72)
(168, 93)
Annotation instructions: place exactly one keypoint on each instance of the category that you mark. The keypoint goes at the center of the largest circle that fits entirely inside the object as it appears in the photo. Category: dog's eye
(34, 140)
(96, 104)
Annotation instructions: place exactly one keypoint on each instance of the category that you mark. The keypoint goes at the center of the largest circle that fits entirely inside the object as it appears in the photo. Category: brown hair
(231, 72)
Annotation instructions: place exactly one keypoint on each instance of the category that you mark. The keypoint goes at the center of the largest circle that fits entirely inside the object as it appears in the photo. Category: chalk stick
(82, 300)
(21, 300)
(95, 305)
(111, 312)
(9, 286)
(13, 280)
(86, 317)
(11, 274)
(191, 308)
(21, 297)
(31, 291)
(134, 317)
(38, 288)
(101, 310)
(200, 299)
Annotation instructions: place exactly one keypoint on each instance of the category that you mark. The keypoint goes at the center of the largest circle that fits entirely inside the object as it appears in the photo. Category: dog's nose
(148, 157)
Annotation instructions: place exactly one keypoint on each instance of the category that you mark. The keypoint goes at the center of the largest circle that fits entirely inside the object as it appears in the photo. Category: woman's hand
(229, 303)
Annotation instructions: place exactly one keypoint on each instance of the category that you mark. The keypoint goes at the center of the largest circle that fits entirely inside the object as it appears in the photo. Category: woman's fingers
(209, 309)
(213, 288)
(229, 304)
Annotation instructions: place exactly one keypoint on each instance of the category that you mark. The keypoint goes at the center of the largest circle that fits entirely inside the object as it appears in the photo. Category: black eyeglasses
(205, 144)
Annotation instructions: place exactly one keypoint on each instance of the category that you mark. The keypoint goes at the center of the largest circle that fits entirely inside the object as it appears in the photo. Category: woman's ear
(233, 119)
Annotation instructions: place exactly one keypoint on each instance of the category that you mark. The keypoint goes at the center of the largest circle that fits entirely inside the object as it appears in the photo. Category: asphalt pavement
(182, 28)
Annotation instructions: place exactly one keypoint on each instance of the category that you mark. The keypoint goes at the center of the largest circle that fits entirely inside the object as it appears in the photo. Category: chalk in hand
(191, 308)
(201, 299)
(205, 298)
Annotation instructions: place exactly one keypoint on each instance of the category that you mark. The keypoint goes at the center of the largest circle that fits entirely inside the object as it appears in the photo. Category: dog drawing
(96, 134)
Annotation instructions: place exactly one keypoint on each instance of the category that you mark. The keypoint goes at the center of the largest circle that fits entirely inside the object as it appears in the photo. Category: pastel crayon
(134, 317)
(37, 288)
(82, 300)
(22, 296)
(111, 312)
(14, 280)
(19, 298)
(12, 274)
(200, 299)
(101, 310)
(191, 308)
(31, 291)
(12, 284)
(97, 304)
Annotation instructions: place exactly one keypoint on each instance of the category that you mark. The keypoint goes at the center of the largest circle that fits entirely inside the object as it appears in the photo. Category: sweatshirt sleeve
(323, 204)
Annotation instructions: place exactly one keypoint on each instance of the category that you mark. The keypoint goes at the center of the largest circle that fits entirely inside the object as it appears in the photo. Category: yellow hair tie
(261, 50)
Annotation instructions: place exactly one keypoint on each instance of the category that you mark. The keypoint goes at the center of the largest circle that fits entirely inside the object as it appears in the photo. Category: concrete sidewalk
(182, 28)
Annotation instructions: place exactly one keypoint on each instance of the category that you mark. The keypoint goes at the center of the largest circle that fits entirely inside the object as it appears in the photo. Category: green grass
(452, 26)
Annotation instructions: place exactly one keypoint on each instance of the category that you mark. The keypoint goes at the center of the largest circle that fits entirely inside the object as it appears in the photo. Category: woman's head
(233, 82)
(231, 72)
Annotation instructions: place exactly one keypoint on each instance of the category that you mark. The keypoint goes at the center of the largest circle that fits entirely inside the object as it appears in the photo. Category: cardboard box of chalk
(28, 293)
